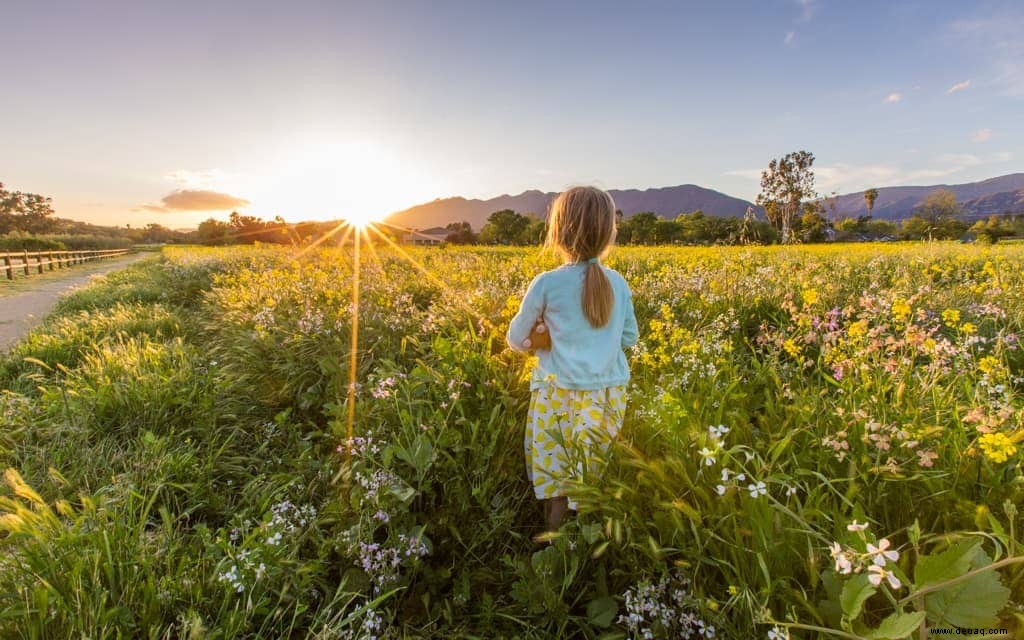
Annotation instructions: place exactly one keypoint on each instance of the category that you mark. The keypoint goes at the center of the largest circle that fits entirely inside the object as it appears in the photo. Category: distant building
(432, 236)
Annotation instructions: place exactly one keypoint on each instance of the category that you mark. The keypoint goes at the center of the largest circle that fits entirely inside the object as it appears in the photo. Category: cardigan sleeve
(630, 332)
(530, 310)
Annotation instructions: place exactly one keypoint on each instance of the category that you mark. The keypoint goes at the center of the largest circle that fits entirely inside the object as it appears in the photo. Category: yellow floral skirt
(565, 428)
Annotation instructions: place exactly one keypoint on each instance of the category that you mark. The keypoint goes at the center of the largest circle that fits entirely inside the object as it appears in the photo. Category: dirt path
(25, 302)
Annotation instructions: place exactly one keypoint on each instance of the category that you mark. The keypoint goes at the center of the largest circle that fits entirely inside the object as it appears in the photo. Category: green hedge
(26, 242)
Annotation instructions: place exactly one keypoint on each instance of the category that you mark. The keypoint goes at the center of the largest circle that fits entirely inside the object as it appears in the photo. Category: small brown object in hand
(539, 337)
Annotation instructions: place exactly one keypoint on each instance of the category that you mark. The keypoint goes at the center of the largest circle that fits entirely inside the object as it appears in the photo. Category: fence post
(26, 262)
(49, 257)
(39, 262)
(8, 267)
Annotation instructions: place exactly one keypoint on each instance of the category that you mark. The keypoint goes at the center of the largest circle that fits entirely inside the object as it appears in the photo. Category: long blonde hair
(581, 227)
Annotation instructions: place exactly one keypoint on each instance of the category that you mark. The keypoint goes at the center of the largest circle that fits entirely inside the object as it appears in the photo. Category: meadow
(821, 441)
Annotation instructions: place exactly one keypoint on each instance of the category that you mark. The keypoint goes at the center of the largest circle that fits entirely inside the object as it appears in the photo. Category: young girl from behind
(578, 387)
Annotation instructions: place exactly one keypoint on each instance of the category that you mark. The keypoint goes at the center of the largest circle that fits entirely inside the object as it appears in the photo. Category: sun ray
(353, 363)
(341, 225)
(406, 230)
(369, 245)
(434, 279)
(361, 232)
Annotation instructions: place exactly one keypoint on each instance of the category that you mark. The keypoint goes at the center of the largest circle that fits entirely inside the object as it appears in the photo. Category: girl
(578, 388)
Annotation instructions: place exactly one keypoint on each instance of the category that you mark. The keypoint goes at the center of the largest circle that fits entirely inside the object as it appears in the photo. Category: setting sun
(355, 180)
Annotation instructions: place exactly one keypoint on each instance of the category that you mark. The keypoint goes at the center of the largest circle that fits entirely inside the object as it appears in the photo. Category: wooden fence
(28, 261)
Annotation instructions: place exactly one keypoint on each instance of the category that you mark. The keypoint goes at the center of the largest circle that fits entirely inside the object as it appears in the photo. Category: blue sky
(315, 109)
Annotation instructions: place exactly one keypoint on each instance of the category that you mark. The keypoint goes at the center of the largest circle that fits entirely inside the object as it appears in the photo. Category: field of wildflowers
(820, 441)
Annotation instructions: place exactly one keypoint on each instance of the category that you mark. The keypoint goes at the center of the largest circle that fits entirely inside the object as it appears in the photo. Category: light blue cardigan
(581, 356)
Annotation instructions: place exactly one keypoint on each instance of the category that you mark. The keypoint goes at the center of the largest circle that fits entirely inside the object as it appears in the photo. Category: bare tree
(785, 184)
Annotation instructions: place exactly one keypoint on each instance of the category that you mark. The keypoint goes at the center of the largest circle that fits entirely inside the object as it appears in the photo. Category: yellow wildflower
(791, 347)
(997, 447)
(969, 328)
(988, 365)
(900, 309)
(810, 296)
(951, 317)
(858, 329)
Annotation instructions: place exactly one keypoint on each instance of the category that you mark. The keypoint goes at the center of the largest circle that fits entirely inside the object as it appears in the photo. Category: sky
(132, 112)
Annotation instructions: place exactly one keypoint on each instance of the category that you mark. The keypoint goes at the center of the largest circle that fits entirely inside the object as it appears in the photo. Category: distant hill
(995, 195)
(666, 202)
(897, 203)
(995, 204)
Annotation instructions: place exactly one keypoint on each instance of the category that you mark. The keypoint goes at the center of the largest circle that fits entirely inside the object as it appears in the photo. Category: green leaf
(855, 592)
(601, 611)
(403, 492)
(897, 626)
(972, 603)
(914, 532)
(829, 608)
(591, 532)
(953, 562)
(356, 580)
(420, 455)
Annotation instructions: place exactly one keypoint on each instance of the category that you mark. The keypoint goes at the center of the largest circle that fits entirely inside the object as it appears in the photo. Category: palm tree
(869, 198)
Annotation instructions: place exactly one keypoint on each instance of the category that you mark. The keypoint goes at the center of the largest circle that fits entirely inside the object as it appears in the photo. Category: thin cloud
(995, 40)
(807, 9)
(196, 200)
(750, 174)
(849, 178)
(960, 86)
(201, 179)
(982, 135)
(790, 37)
(893, 97)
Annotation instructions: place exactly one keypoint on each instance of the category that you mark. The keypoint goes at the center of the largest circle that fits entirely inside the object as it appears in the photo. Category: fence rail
(28, 260)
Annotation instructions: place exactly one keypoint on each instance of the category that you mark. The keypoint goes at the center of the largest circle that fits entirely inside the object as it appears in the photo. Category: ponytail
(597, 295)
(581, 227)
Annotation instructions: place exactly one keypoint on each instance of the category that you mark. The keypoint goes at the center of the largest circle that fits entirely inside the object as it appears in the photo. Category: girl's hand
(539, 337)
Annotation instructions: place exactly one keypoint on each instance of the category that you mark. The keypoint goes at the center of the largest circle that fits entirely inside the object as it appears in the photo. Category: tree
(747, 233)
(156, 234)
(869, 199)
(695, 227)
(813, 226)
(991, 229)
(460, 233)
(939, 205)
(644, 227)
(534, 232)
(831, 205)
(938, 212)
(785, 184)
(248, 229)
(504, 227)
(27, 212)
(916, 228)
(212, 231)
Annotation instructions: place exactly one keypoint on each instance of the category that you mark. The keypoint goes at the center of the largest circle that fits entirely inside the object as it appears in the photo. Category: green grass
(178, 431)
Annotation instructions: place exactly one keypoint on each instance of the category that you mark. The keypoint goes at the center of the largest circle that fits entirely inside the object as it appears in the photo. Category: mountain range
(993, 196)
(665, 201)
